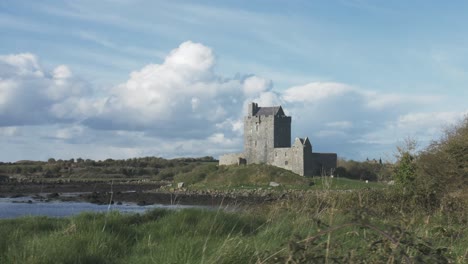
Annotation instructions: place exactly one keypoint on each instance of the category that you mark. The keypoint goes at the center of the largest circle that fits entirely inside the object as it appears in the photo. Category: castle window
(256, 127)
(255, 142)
(285, 154)
(286, 162)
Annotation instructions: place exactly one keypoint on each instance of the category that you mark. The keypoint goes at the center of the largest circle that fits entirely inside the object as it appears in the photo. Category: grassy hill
(260, 175)
(254, 174)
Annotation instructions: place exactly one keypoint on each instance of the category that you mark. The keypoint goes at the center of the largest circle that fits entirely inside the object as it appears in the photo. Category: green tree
(405, 168)
(443, 166)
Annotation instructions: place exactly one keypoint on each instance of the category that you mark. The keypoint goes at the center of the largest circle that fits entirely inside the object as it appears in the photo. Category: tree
(443, 166)
(405, 169)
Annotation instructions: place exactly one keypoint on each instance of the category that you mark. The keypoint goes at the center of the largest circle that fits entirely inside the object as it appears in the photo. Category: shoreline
(140, 194)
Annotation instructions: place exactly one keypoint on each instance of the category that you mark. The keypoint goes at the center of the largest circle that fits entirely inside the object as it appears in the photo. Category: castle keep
(267, 139)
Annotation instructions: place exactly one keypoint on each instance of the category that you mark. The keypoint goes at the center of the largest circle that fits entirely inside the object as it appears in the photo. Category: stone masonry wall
(282, 158)
(258, 138)
(230, 159)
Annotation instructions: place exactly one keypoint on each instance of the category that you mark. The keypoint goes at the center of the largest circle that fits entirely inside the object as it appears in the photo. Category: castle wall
(230, 159)
(290, 158)
(282, 157)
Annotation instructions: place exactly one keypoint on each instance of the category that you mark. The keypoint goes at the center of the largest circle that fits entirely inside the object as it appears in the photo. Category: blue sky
(127, 78)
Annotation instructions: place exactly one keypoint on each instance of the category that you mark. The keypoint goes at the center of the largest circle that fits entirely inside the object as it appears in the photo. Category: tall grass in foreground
(325, 227)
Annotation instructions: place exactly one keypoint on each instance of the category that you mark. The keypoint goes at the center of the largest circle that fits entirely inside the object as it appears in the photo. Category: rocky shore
(141, 194)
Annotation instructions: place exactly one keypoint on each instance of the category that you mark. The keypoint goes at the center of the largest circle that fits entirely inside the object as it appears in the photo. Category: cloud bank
(183, 107)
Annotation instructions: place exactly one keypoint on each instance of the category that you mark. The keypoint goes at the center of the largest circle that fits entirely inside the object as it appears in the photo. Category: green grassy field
(365, 226)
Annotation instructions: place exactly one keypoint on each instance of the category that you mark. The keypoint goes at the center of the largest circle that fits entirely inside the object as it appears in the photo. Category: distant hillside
(154, 168)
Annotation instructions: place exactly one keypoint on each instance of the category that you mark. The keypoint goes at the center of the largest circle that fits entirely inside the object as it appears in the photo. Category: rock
(180, 185)
(274, 184)
(53, 195)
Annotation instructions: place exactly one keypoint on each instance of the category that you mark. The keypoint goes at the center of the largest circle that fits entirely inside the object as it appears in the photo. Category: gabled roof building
(267, 140)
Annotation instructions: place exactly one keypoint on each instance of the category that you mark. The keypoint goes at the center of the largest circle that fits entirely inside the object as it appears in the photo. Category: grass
(254, 176)
(363, 226)
(344, 184)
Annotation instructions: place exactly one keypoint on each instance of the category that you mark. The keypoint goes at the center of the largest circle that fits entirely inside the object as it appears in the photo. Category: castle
(267, 139)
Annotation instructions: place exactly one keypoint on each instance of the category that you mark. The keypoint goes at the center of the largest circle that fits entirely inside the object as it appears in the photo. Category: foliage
(149, 167)
(405, 167)
(367, 170)
(436, 171)
(405, 170)
(443, 166)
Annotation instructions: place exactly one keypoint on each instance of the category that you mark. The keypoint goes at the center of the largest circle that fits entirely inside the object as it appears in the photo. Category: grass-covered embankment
(211, 176)
(366, 226)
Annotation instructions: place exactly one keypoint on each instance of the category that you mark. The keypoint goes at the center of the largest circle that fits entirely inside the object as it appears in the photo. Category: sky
(132, 78)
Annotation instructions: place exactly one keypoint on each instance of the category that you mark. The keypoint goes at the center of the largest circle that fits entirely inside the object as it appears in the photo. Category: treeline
(371, 170)
(150, 166)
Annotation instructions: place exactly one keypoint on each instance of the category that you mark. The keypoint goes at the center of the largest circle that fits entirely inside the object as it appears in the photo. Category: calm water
(17, 207)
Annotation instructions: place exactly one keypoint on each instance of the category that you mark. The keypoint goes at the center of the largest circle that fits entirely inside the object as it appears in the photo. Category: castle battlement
(267, 139)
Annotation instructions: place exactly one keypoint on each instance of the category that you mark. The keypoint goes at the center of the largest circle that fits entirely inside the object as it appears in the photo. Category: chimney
(252, 109)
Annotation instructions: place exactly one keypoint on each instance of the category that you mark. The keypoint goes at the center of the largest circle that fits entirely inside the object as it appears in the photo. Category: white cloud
(24, 64)
(29, 93)
(62, 72)
(184, 107)
(429, 123)
(339, 124)
(255, 85)
(182, 97)
(429, 119)
(421, 126)
(9, 131)
(69, 132)
(379, 100)
(316, 91)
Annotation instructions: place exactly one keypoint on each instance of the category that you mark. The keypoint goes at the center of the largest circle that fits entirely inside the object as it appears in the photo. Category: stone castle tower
(267, 139)
(265, 128)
